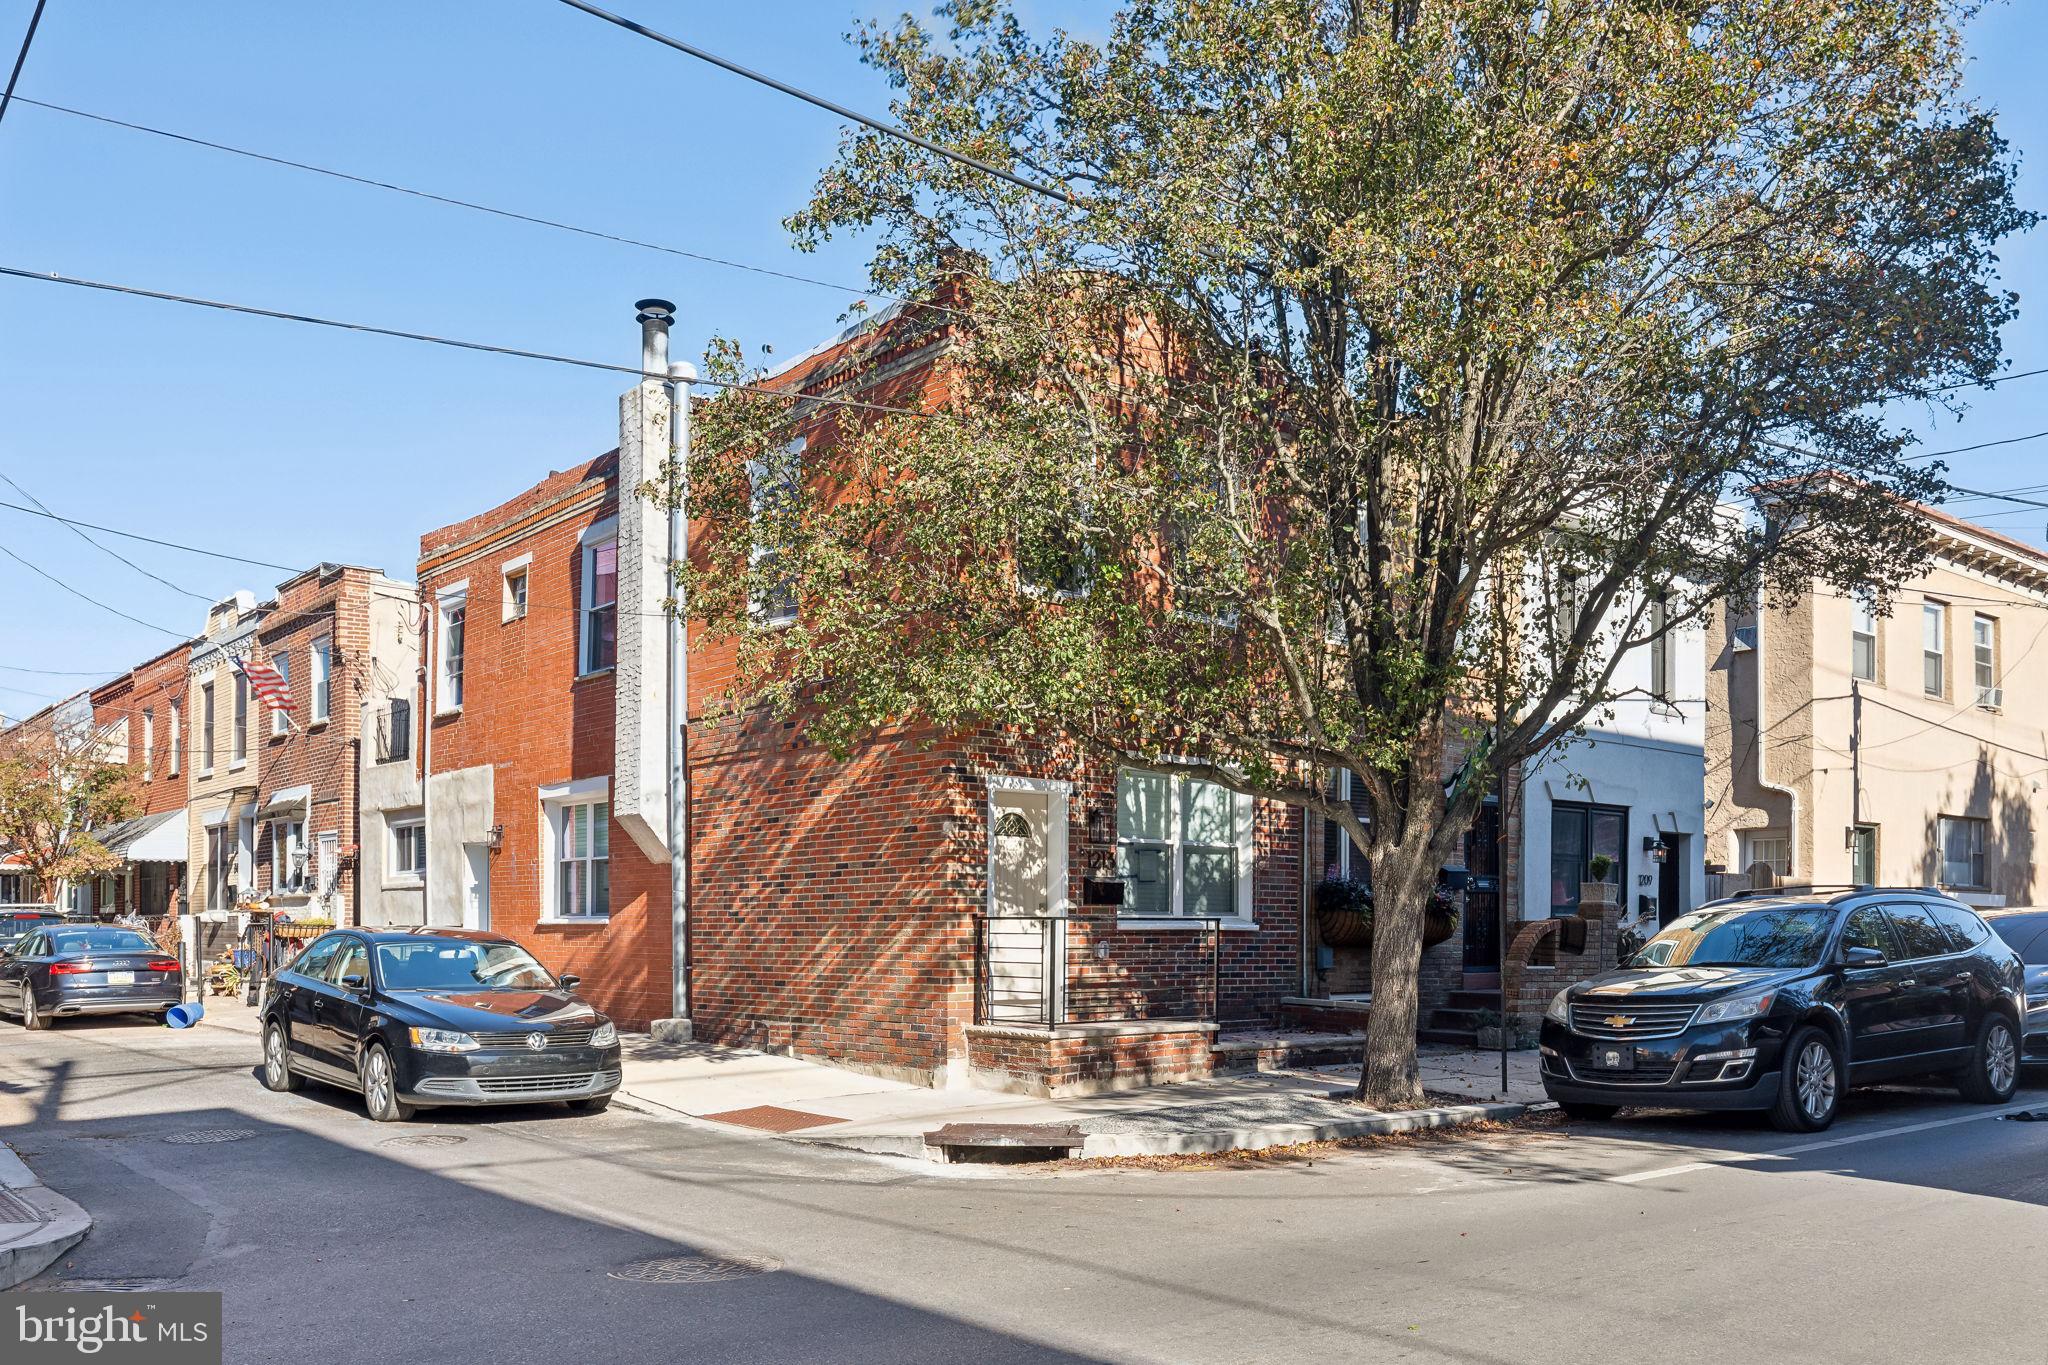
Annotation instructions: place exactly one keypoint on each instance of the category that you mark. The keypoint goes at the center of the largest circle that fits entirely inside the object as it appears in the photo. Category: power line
(150, 540)
(36, 17)
(176, 634)
(1997, 496)
(4, 477)
(486, 347)
(1985, 445)
(450, 200)
(888, 129)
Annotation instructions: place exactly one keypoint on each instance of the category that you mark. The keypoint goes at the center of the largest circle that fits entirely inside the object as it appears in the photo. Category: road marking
(1785, 1153)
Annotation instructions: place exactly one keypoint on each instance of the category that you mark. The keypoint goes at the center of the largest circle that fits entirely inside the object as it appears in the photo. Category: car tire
(277, 1070)
(1993, 1072)
(1810, 1083)
(31, 1016)
(380, 1087)
(1579, 1109)
(593, 1104)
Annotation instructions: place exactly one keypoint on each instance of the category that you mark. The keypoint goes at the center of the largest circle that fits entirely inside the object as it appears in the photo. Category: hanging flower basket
(1343, 913)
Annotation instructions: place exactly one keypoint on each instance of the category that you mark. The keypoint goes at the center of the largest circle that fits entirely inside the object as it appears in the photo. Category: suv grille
(1620, 1019)
(560, 1038)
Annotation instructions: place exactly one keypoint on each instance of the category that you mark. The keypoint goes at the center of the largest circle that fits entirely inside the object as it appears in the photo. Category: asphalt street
(1914, 1228)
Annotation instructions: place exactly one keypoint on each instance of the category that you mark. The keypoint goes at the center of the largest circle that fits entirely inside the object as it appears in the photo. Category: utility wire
(888, 129)
(76, 531)
(175, 634)
(487, 347)
(36, 17)
(1985, 445)
(150, 540)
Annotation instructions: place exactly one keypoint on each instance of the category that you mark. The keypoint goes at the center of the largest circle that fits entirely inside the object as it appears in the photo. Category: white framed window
(1660, 648)
(451, 613)
(772, 487)
(1342, 860)
(1863, 637)
(514, 574)
(148, 742)
(575, 831)
(1769, 847)
(1962, 851)
(241, 718)
(205, 729)
(1984, 660)
(322, 680)
(280, 722)
(599, 631)
(220, 868)
(409, 848)
(288, 855)
(177, 737)
(1183, 847)
(1934, 647)
(245, 855)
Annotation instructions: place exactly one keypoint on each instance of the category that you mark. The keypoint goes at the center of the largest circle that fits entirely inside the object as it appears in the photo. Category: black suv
(1780, 1000)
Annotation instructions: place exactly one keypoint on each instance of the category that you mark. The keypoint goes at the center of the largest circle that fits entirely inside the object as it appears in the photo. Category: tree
(58, 784)
(1386, 372)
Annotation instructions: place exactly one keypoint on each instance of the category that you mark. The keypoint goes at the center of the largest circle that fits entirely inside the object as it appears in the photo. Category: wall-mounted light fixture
(497, 837)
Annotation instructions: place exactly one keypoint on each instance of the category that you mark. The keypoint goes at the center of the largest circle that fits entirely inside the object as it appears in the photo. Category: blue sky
(293, 444)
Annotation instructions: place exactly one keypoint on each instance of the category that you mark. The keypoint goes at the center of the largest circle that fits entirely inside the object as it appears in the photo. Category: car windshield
(70, 941)
(2028, 936)
(449, 964)
(1784, 936)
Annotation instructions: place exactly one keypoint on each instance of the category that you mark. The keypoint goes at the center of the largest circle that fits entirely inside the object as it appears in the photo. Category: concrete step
(1454, 1018)
(1475, 1000)
(1456, 1037)
(1283, 1050)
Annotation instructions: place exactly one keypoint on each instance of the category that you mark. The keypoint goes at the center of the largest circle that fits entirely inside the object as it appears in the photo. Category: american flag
(266, 682)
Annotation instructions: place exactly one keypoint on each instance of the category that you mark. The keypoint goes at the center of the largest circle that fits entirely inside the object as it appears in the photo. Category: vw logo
(537, 1041)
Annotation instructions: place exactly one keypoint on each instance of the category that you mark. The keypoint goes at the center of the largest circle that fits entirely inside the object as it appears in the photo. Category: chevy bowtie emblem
(1619, 1020)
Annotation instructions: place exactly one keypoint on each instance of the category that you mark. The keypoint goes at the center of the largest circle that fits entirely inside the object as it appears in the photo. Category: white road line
(1783, 1153)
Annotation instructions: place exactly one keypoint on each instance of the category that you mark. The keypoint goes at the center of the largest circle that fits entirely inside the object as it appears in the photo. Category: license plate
(1614, 1058)
(120, 978)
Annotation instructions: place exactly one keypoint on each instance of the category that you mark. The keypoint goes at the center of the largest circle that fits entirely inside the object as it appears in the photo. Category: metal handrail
(1054, 984)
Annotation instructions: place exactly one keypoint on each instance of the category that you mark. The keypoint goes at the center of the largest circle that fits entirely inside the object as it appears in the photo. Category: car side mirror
(569, 982)
(355, 981)
(1863, 957)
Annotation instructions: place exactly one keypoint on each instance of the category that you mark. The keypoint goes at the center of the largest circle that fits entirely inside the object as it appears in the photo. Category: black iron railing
(1025, 975)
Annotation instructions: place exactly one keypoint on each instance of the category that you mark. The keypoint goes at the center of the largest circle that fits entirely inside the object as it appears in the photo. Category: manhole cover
(424, 1140)
(213, 1135)
(694, 1269)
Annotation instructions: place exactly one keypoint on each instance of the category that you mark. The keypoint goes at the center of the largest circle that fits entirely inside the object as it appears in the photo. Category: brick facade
(139, 711)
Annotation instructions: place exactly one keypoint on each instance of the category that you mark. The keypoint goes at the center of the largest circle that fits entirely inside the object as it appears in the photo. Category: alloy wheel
(28, 1006)
(2001, 1058)
(379, 1086)
(273, 1057)
(1815, 1078)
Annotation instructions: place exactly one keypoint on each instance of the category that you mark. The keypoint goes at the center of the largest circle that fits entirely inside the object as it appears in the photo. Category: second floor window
(241, 718)
(148, 742)
(1863, 637)
(1961, 851)
(600, 606)
(323, 679)
(1984, 651)
(206, 728)
(773, 485)
(280, 723)
(453, 613)
(1934, 647)
(394, 731)
(177, 737)
(1660, 649)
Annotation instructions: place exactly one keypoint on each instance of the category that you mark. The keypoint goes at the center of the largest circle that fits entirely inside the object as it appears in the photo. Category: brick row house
(140, 715)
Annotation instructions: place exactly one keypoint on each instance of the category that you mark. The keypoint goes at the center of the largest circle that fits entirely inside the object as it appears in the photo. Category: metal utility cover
(772, 1118)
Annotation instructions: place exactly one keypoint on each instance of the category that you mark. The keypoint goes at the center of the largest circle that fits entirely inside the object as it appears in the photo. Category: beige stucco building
(223, 756)
(1897, 744)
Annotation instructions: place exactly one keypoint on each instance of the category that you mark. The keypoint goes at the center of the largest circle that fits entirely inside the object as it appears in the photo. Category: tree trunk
(1403, 877)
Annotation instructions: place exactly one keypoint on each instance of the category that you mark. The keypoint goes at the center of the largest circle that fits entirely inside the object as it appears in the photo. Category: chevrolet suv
(1780, 1000)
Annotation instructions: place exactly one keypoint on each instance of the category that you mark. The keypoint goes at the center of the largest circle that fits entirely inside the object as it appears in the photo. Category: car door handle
(1905, 985)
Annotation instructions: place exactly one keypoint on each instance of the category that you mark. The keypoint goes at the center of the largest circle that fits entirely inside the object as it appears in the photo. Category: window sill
(443, 713)
(604, 672)
(403, 882)
(572, 921)
(238, 765)
(1229, 924)
(320, 724)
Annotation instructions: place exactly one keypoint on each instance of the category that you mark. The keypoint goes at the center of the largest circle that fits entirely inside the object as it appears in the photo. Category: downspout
(1763, 757)
(682, 374)
(426, 756)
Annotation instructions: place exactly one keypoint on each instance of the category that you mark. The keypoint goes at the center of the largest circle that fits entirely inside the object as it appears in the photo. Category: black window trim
(1900, 939)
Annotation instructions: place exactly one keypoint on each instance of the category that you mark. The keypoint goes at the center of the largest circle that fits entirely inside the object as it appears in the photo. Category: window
(315, 961)
(600, 606)
(1183, 846)
(288, 855)
(148, 742)
(1962, 851)
(323, 680)
(177, 737)
(394, 730)
(1578, 834)
(453, 610)
(1660, 649)
(1934, 647)
(280, 721)
(515, 590)
(1917, 932)
(773, 486)
(220, 868)
(1863, 855)
(1863, 637)
(241, 718)
(1770, 848)
(582, 839)
(1962, 929)
(1984, 658)
(1341, 858)
(352, 960)
(1868, 928)
(206, 728)
(408, 848)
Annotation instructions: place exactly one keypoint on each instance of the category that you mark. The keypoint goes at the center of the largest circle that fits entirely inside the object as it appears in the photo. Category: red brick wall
(1019, 1060)
(148, 688)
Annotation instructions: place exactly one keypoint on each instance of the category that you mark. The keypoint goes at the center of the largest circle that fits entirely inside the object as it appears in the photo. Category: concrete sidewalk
(37, 1225)
(809, 1102)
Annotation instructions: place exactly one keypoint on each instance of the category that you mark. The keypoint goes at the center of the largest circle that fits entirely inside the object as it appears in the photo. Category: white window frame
(148, 742)
(208, 709)
(396, 869)
(448, 601)
(1862, 628)
(1980, 831)
(1934, 621)
(1344, 788)
(240, 746)
(589, 605)
(758, 553)
(287, 844)
(1175, 848)
(177, 736)
(555, 802)
(320, 681)
(521, 569)
(1747, 842)
(280, 720)
(1984, 658)
(1660, 649)
(220, 866)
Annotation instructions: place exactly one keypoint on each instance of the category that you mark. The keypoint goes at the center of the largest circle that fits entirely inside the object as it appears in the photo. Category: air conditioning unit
(1743, 637)
(1992, 697)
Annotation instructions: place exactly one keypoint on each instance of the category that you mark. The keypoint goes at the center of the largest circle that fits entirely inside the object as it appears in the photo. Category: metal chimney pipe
(654, 316)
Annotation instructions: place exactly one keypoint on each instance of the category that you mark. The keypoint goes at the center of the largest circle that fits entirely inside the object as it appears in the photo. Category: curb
(60, 1224)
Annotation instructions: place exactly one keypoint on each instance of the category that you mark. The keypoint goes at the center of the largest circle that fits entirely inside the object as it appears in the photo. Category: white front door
(476, 886)
(1026, 868)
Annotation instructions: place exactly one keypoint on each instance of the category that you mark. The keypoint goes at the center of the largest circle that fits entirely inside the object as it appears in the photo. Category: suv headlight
(1560, 1008)
(1736, 1008)
(441, 1040)
(605, 1035)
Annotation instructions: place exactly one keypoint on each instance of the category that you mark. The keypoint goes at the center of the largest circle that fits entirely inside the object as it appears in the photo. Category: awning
(284, 798)
(151, 839)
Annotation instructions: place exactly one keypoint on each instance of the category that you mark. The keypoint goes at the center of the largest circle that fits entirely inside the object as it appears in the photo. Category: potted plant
(1596, 892)
(1344, 912)
(1440, 920)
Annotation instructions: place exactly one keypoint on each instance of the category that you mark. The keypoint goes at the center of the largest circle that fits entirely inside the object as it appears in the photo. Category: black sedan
(2027, 932)
(16, 923)
(413, 1018)
(1781, 1001)
(62, 969)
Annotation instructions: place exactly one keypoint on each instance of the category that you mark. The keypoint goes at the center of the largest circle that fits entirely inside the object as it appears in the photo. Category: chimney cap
(654, 310)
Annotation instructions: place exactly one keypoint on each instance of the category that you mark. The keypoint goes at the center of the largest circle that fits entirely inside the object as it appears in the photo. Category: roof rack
(1849, 888)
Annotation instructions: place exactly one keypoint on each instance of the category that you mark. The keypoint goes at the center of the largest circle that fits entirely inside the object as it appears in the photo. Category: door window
(352, 960)
(315, 961)
(1963, 929)
(1867, 929)
(1919, 935)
